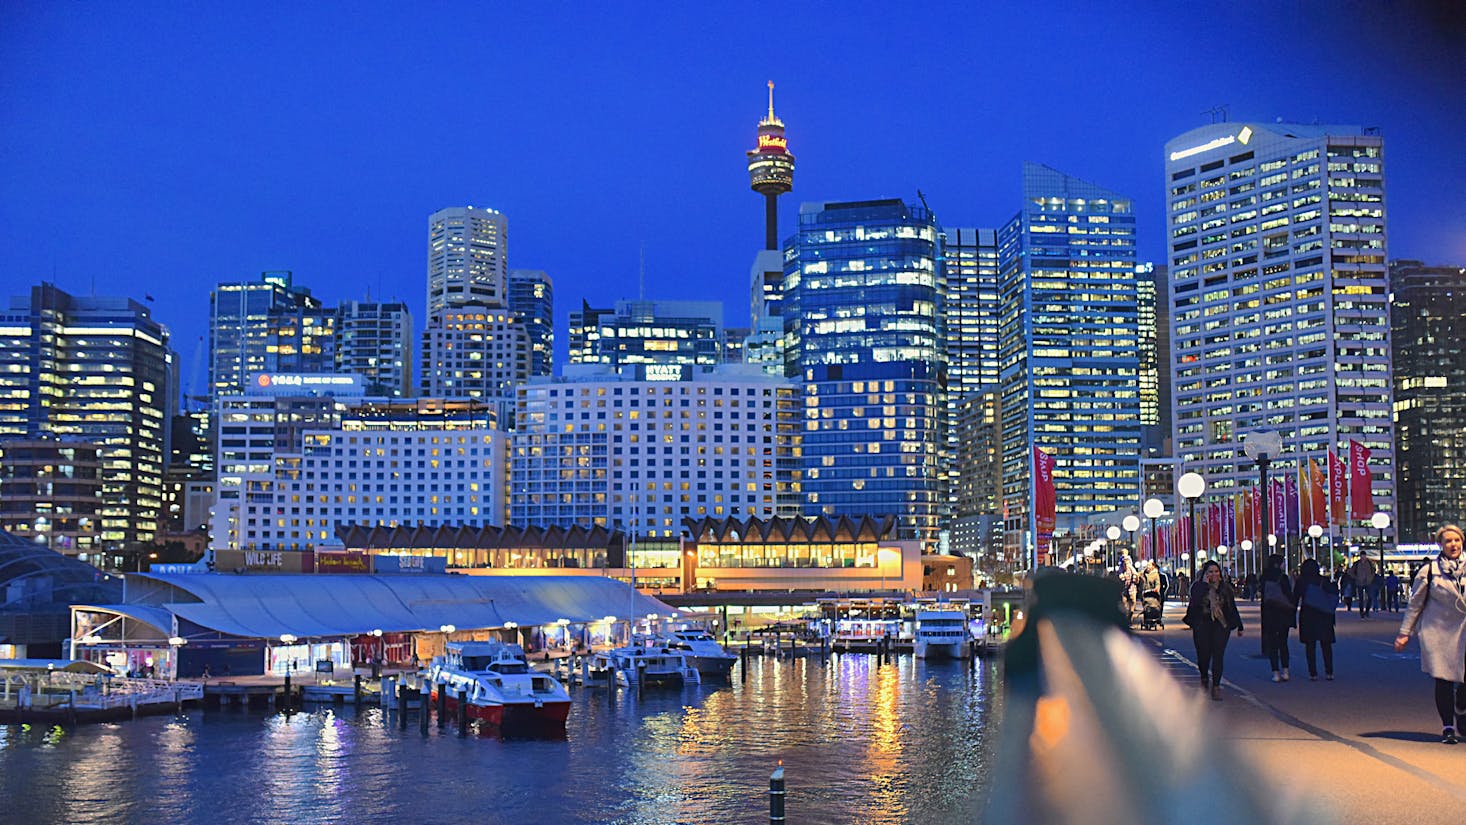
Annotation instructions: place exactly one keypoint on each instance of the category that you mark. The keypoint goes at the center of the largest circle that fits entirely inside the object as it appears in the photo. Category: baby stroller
(1151, 610)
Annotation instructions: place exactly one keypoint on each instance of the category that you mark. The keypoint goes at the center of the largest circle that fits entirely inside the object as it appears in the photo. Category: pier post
(422, 710)
(402, 707)
(776, 796)
(743, 662)
(356, 689)
(462, 712)
(442, 704)
(388, 692)
(584, 670)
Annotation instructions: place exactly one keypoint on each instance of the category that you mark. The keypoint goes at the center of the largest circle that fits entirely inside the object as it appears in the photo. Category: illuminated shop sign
(1241, 137)
(773, 142)
(664, 372)
(330, 383)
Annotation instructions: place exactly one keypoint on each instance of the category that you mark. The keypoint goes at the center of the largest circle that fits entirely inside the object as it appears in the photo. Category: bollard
(463, 711)
(442, 704)
(776, 796)
(402, 707)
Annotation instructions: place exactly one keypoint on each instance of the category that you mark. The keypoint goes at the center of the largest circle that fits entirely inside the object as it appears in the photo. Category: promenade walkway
(1362, 749)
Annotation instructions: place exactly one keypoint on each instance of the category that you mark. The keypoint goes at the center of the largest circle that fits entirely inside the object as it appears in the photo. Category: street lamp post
(1113, 534)
(1191, 486)
(1153, 508)
(1381, 522)
(1247, 553)
(1262, 447)
(1314, 532)
(1131, 523)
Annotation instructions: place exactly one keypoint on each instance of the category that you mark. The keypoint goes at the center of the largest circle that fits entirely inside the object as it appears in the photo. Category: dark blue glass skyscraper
(863, 292)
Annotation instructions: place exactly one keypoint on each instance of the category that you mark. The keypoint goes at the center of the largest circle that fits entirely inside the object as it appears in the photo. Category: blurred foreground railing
(1095, 731)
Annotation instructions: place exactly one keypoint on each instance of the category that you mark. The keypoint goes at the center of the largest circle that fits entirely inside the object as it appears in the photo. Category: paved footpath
(1362, 749)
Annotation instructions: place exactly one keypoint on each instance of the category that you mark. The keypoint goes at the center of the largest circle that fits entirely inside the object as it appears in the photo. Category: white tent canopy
(315, 606)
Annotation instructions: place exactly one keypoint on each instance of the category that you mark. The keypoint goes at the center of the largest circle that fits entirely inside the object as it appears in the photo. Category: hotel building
(642, 451)
(467, 258)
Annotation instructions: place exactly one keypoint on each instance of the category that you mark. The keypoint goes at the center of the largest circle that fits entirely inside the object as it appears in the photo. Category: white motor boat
(502, 690)
(702, 651)
(647, 662)
(941, 633)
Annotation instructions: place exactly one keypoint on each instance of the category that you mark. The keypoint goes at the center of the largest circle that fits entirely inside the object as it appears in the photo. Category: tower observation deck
(771, 170)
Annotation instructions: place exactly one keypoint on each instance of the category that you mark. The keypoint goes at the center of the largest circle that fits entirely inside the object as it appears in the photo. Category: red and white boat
(501, 688)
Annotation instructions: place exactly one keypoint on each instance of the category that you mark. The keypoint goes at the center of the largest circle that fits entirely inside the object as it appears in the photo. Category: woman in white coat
(1437, 612)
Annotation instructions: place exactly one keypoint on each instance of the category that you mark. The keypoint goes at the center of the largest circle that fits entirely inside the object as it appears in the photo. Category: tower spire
(771, 100)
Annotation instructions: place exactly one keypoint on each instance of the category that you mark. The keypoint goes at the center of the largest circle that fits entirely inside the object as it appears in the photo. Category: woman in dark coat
(1212, 616)
(1279, 614)
(1315, 625)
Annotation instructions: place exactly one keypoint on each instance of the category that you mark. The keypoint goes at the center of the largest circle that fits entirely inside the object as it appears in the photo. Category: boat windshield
(510, 668)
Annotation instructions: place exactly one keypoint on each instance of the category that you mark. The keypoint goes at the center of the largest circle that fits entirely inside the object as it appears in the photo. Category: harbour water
(860, 741)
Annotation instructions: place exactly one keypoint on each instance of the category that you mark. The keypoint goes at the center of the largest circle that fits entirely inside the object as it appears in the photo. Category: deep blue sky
(162, 148)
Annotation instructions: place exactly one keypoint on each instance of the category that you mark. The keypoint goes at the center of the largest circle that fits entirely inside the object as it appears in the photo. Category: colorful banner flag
(1361, 489)
(1338, 490)
(1045, 504)
(1231, 522)
(1291, 522)
(1258, 531)
(1277, 506)
(1318, 491)
(1305, 499)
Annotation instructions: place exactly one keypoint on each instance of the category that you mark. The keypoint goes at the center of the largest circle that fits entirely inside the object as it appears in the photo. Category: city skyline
(214, 165)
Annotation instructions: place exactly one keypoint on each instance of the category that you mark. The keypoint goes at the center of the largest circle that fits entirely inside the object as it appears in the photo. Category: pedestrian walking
(1278, 615)
(1437, 614)
(1318, 599)
(1212, 615)
(1392, 592)
(1362, 571)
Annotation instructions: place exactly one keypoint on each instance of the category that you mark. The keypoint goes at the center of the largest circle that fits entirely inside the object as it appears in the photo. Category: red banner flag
(1318, 484)
(1361, 489)
(1259, 533)
(1338, 490)
(1045, 504)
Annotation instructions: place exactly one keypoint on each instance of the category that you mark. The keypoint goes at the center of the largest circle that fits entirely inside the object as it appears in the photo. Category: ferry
(941, 632)
(702, 651)
(502, 689)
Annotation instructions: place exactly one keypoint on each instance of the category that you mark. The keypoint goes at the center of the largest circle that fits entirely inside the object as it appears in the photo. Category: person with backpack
(1437, 614)
(1362, 571)
(1279, 614)
(1318, 598)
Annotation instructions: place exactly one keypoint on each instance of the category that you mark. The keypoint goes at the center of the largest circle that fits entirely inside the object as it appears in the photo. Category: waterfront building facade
(1429, 344)
(1279, 303)
(467, 258)
(863, 295)
(976, 527)
(427, 462)
(532, 296)
(246, 322)
(95, 370)
(1069, 336)
(374, 340)
(641, 450)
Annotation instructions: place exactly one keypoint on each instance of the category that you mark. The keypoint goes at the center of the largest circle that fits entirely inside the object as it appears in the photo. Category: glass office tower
(864, 290)
(1070, 350)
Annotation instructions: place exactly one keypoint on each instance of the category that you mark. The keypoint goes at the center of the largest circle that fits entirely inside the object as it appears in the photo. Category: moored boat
(646, 662)
(501, 688)
(941, 633)
(702, 651)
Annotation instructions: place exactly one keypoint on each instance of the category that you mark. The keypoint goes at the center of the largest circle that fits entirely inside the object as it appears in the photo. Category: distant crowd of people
(1435, 615)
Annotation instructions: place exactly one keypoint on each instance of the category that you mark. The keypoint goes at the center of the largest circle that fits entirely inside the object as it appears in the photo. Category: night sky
(161, 148)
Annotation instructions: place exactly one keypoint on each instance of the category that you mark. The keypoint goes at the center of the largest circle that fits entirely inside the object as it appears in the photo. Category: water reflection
(860, 740)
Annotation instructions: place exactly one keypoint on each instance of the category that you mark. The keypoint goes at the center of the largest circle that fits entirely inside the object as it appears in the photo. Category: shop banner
(1045, 502)
(1361, 490)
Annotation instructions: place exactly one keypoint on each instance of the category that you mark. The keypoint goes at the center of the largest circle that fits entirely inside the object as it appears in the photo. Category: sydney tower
(771, 170)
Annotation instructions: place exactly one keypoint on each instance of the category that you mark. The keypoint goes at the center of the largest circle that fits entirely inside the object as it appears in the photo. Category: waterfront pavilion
(175, 625)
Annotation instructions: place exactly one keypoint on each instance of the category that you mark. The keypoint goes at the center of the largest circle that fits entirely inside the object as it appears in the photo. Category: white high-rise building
(467, 258)
(646, 449)
(1279, 299)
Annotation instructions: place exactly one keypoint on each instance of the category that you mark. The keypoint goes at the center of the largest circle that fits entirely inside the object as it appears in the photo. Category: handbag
(1321, 598)
(1273, 596)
